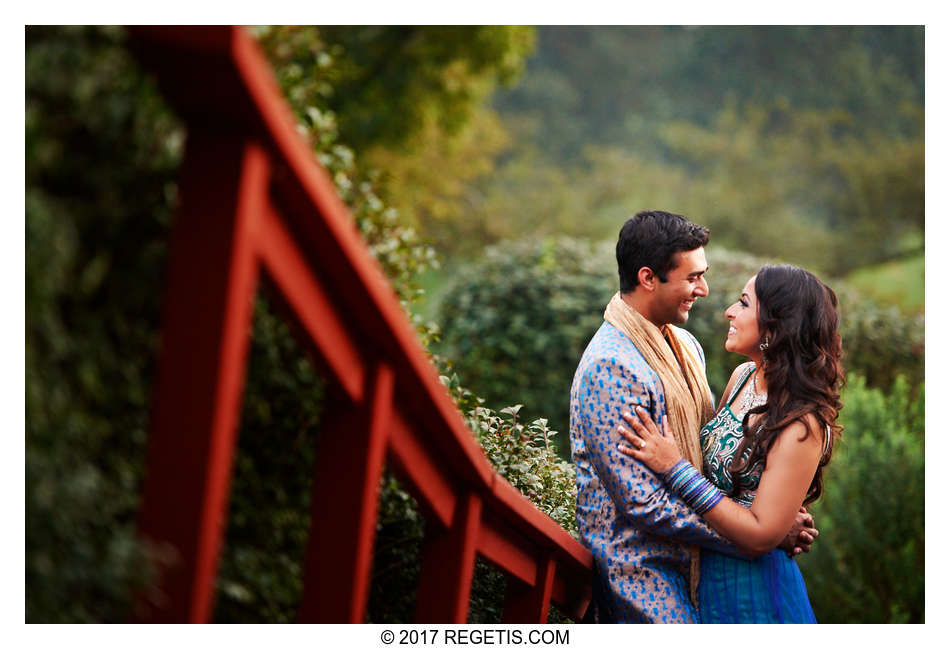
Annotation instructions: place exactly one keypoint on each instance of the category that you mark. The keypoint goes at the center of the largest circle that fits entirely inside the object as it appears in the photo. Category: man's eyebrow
(699, 272)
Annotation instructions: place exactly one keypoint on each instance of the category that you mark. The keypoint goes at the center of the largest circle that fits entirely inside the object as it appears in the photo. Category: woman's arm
(789, 469)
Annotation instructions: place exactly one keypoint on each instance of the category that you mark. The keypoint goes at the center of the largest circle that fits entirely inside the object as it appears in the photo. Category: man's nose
(702, 288)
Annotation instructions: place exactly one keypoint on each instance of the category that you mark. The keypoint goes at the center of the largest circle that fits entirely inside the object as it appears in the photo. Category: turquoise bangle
(689, 484)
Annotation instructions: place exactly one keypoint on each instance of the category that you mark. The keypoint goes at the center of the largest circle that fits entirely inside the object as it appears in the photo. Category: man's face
(673, 298)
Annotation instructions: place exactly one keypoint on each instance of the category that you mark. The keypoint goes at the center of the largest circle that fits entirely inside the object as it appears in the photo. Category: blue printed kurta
(637, 531)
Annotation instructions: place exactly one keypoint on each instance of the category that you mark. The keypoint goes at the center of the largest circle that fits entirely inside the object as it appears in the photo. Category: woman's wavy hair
(801, 363)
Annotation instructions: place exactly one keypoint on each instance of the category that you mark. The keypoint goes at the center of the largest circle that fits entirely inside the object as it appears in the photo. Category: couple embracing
(694, 512)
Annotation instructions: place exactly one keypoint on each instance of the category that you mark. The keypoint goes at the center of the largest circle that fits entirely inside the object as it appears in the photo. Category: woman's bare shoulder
(736, 373)
(807, 431)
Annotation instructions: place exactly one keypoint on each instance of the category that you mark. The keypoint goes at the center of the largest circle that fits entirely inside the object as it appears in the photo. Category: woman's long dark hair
(802, 365)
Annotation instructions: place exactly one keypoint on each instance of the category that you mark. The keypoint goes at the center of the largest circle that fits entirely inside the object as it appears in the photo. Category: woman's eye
(743, 302)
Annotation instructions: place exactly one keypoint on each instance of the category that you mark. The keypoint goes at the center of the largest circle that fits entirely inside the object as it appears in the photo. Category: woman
(765, 448)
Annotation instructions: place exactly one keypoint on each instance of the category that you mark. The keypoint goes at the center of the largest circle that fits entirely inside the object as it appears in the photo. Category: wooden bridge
(256, 205)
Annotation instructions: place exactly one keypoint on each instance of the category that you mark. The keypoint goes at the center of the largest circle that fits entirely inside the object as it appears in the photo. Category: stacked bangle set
(689, 484)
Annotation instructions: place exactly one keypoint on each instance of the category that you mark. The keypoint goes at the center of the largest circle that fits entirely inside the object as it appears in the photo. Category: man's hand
(656, 449)
(801, 536)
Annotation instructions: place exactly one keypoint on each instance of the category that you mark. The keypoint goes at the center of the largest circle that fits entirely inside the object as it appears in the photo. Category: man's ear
(647, 278)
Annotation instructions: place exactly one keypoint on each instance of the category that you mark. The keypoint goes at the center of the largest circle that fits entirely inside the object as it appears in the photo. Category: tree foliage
(600, 86)
(387, 84)
(805, 185)
(804, 143)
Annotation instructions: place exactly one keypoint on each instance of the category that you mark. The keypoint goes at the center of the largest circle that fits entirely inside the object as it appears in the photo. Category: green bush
(102, 154)
(525, 455)
(261, 565)
(522, 454)
(516, 322)
(868, 562)
(880, 342)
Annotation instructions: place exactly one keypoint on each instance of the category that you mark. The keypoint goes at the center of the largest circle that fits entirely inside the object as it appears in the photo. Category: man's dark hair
(651, 239)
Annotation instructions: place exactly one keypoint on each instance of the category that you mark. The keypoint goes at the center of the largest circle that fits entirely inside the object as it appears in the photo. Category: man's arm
(637, 492)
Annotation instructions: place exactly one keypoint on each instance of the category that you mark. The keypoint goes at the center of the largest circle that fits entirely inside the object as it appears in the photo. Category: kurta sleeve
(639, 494)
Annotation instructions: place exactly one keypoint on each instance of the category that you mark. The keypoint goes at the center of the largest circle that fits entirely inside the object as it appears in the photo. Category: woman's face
(743, 316)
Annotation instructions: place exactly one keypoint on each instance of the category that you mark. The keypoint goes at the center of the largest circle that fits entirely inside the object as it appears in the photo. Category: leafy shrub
(517, 321)
(525, 457)
(880, 342)
(102, 153)
(868, 563)
(260, 573)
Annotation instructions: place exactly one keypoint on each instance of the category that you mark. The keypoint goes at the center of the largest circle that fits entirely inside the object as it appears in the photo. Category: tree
(598, 85)
(387, 84)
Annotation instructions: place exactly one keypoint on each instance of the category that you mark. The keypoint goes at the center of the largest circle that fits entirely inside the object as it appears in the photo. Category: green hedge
(516, 322)
(102, 154)
(867, 564)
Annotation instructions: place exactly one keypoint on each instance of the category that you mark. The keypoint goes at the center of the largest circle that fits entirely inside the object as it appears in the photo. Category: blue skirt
(768, 590)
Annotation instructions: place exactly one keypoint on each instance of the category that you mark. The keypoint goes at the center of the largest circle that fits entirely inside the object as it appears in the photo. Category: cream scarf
(688, 400)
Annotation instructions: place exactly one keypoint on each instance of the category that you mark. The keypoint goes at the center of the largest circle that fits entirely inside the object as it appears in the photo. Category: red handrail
(255, 202)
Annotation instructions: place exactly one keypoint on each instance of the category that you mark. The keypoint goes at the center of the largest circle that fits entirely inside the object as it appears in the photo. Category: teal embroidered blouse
(720, 439)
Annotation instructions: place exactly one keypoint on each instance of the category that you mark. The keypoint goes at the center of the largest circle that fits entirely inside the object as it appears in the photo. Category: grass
(900, 283)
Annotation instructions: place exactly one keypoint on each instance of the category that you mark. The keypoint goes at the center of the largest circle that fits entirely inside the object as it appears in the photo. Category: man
(645, 541)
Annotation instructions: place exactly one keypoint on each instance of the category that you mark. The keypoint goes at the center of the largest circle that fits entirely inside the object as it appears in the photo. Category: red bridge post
(350, 453)
(207, 323)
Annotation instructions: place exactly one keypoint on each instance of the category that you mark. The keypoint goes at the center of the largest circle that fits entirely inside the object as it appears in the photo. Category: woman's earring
(764, 345)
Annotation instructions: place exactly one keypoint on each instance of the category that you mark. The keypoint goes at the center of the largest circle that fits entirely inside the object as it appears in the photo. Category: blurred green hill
(900, 283)
(799, 143)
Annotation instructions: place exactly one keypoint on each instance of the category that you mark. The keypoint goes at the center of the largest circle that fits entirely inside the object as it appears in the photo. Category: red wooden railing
(255, 203)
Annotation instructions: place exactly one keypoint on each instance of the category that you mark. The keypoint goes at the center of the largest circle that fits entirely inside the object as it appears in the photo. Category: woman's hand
(654, 448)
